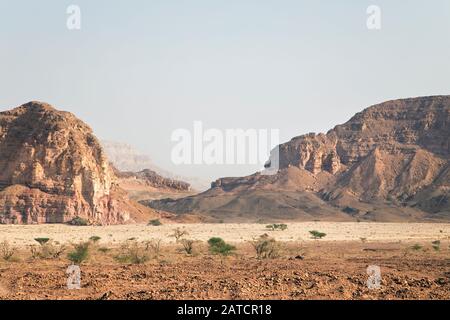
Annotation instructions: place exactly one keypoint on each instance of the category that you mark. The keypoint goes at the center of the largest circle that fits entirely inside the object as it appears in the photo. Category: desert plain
(23, 235)
(414, 260)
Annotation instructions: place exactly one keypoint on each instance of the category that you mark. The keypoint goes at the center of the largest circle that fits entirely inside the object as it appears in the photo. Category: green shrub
(94, 239)
(80, 253)
(436, 245)
(219, 246)
(78, 221)
(416, 247)
(42, 241)
(350, 210)
(154, 222)
(317, 234)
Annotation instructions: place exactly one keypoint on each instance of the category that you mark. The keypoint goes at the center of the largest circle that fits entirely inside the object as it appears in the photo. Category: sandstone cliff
(389, 162)
(52, 168)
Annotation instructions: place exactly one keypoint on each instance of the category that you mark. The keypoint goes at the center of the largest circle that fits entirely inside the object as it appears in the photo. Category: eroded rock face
(394, 127)
(152, 179)
(391, 160)
(52, 168)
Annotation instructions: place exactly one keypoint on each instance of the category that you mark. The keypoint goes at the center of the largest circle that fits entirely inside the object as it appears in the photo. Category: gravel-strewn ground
(304, 270)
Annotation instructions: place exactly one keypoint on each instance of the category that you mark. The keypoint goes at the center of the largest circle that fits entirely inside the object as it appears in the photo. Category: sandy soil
(336, 231)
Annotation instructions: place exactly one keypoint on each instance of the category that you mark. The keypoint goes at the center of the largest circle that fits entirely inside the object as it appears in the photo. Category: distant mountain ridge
(127, 158)
(152, 179)
(389, 162)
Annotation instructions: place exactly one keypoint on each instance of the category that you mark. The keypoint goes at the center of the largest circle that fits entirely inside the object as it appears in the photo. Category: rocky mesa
(389, 162)
(147, 185)
(52, 169)
(151, 179)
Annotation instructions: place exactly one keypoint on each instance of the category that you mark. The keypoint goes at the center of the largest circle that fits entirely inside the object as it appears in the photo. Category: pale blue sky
(137, 70)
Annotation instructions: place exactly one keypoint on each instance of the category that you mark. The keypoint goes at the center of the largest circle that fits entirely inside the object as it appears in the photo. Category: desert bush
(52, 251)
(275, 227)
(188, 245)
(154, 222)
(133, 252)
(266, 247)
(34, 252)
(42, 241)
(416, 247)
(178, 234)
(78, 221)
(46, 249)
(363, 240)
(219, 246)
(317, 234)
(103, 249)
(436, 245)
(95, 239)
(154, 245)
(350, 211)
(7, 251)
(80, 253)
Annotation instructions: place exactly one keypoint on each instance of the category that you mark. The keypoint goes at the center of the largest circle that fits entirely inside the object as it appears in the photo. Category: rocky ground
(303, 270)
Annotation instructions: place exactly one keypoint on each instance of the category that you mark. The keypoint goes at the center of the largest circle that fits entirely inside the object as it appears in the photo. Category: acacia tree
(178, 234)
(317, 234)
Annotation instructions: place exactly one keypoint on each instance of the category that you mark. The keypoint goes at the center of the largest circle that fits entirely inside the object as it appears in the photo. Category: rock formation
(147, 185)
(125, 158)
(389, 162)
(52, 169)
(150, 178)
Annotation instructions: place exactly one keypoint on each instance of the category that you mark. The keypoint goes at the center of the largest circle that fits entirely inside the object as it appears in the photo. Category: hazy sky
(137, 70)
